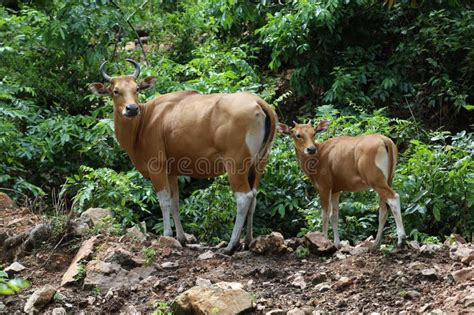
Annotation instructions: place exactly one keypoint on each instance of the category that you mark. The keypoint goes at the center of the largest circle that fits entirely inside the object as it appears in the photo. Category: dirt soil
(369, 282)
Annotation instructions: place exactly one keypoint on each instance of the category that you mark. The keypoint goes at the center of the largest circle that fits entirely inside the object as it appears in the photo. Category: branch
(133, 28)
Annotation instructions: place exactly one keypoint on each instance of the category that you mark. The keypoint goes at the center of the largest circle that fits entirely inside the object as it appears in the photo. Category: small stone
(295, 311)
(343, 282)
(276, 312)
(14, 268)
(167, 242)
(299, 282)
(229, 285)
(169, 265)
(222, 244)
(2, 307)
(122, 257)
(206, 255)
(6, 202)
(190, 238)
(461, 251)
(294, 242)
(467, 259)
(322, 287)
(319, 278)
(414, 245)
(429, 274)
(463, 275)
(39, 299)
(205, 283)
(341, 256)
(91, 299)
(359, 250)
(59, 311)
(411, 294)
(424, 308)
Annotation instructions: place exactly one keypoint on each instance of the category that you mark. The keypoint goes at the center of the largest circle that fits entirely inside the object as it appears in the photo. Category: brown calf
(348, 164)
(187, 133)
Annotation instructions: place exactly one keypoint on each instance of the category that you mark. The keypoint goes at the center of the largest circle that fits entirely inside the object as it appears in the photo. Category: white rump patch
(255, 135)
(381, 160)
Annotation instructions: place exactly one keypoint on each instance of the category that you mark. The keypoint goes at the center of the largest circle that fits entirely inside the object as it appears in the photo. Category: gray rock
(295, 311)
(276, 312)
(343, 282)
(322, 287)
(294, 242)
(39, 299)
(190, 239)
(167, 242)
(95, 215)
(463, 275)
(206, 255)
(6, 202)
(411, 294)
(124, 258)
(299, 281)
(83, 253)
(59, 311)
(429, 274)
(135, 233)
(169, 265)
(14, 268)
(205, 283)
(318, 244)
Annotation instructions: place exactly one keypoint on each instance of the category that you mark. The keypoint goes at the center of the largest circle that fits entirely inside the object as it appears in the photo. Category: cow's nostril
(311, 150)
(131, 110)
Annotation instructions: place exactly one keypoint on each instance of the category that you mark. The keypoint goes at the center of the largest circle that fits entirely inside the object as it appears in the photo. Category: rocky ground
(130, 274)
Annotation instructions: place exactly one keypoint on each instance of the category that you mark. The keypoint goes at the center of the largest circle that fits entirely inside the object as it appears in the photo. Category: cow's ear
(99, 89)
(147, 83)
(283, 128)
(322, 126)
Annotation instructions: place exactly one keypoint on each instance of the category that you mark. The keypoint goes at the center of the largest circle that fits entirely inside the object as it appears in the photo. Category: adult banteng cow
(188, 133)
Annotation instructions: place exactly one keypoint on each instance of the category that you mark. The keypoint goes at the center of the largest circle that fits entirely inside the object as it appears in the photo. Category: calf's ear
(283, 128)
(147, 83)
(99, 89)
(322, 126)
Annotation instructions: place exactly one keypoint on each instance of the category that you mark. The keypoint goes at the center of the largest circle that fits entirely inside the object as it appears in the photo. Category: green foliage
(302, 252)
(150, 256)
(11, 286)
(209, 213)
(127, 195)
(162, 308)
(436, 184)
(81, 271)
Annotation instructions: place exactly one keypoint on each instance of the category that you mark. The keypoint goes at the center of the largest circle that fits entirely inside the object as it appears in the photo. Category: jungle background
(404, 69)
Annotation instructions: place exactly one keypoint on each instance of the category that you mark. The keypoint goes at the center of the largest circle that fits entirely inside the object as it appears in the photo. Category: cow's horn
(102, 71)
(136, 73)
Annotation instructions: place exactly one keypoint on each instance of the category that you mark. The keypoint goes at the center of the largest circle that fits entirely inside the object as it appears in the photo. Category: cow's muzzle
(131, 110)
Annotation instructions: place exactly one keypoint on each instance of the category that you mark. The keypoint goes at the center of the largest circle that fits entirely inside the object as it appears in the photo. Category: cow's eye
(298, 135)
(116, 92)
(138, 89)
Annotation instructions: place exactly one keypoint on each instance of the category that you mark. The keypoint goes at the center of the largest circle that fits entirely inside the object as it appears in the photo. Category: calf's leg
(334, 216)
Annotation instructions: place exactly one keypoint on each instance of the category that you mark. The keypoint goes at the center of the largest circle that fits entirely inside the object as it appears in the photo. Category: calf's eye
(298, 136)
